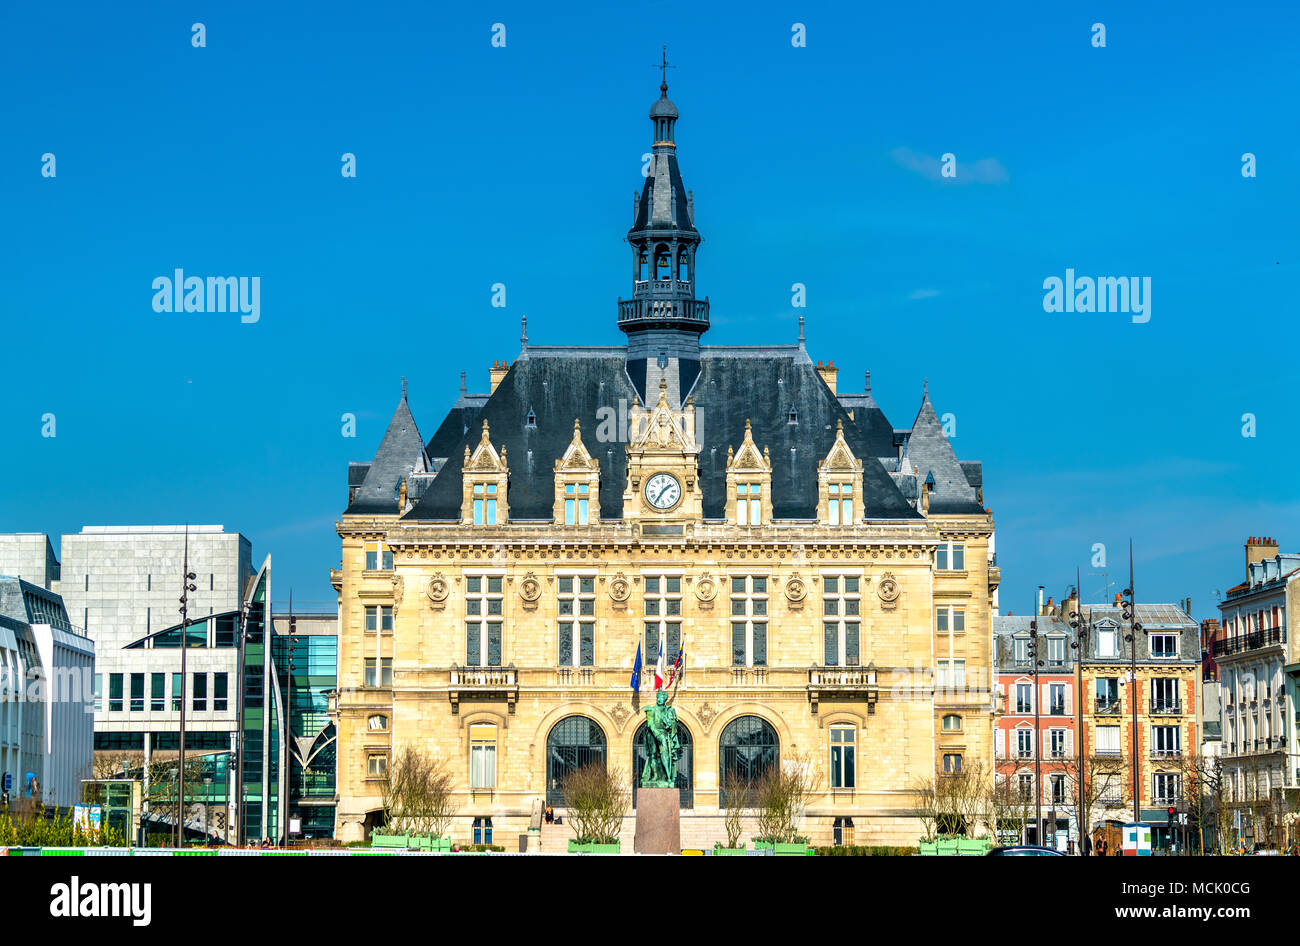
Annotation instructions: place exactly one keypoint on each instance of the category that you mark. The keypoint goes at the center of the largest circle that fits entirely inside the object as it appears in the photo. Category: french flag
(659, 665)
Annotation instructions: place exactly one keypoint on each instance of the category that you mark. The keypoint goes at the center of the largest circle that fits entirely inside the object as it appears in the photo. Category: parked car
(1023, 850)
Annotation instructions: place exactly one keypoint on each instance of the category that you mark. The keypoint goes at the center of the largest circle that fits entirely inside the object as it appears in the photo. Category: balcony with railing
(1166, 708)
(640, 310)
(843, 683)
(1167, 753)
(1254, 640)
(575, 677)
(1106, 707)
(488, 684)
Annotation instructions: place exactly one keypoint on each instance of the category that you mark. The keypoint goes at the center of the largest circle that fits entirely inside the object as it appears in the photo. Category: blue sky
(479, 165)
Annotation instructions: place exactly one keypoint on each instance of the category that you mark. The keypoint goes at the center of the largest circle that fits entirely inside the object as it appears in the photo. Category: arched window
(685, 764)
(747, 749)
(683, 265)
(641, 262)
(663, 262)
(575, 742)
(377, 723)
(952, 722)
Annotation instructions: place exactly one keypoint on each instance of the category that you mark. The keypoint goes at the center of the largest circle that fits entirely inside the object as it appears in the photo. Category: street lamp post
(1129, 611)
(1034, 664)
(187, 585)
(1081, 629)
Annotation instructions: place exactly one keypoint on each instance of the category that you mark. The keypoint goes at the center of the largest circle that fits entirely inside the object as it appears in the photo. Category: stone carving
(706, 589)
(530, 589)
(707, 715)
(619, 588)
(795, 592)
(398, 586)
(438, 591)
(888, 591)
(620, 712)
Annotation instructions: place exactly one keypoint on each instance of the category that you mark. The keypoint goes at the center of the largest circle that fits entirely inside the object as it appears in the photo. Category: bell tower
(663, 319)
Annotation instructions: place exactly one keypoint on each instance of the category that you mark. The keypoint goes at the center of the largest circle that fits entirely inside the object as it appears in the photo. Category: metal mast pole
(1135, 628)
(1080, 642)
(1038, 755)
(187, 585)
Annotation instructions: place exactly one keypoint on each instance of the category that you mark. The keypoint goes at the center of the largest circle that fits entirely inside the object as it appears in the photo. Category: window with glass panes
(482, 756)
(379, 623)
(577, 502)
(178, 683)
(157, 692)
(748, 620)
(1058, 789)
(1024, 697)
(951, 673)
(950, 556)
(484, 604)
(841, 620)
(378, 557)
(749, 504)
(840, 507)
(663, 616)
(1056, 651)
(99, 692)
(1163, 645)
(1026, 786)
(220, 692)
(952, 762)
(137, 692)
(1164, 740)
(199, 695)
(1024, 743)
(376, 765)
(950, 620)
(379, 672)
(485, 504)
(1165, 786)
(1057, 743)
(843, 756)
(576, 596)
(952, 723)
(1056, 699)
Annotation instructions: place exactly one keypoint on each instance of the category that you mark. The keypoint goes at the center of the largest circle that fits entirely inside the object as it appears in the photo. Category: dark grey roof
(400, 453)
(671, 194)
(24, 603)
(357, 473)
(459, 420)
(931, 455)
(974, 471)
(735, 384)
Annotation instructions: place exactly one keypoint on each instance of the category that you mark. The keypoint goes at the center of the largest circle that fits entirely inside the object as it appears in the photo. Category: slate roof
(735, 384)
(400, 452)
(931, 454)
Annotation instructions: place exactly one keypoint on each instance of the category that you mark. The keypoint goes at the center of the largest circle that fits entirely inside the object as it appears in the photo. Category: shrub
(597, 800)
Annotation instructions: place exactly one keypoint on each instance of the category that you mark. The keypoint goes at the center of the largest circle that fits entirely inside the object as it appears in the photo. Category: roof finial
(925, 392)
(800, 329)
(403, 387)
(523, 331)
(868, 380)
(663, 71)
(462, 384)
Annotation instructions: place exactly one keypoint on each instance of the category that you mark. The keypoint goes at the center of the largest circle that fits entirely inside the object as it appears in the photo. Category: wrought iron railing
(1106, 707)
(1253, 640)
(1166, 707)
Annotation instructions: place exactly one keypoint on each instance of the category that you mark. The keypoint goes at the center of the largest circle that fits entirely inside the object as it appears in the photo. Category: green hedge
(841, 850)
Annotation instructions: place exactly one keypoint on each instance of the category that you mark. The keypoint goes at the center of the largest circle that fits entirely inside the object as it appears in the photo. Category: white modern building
(29, 556)
(123, 583)
(46, 673)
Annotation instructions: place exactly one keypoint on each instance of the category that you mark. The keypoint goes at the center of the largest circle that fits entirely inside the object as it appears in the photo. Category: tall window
(663, 615)
(378, 557)
(1026, 785)
(484, 602)
(577, 501)
(1024, 697)
(1056, 692)
(157, 692)
(1165, 740)
(379, 672)
(1056, 651)
(747, 749)
(1020, 651)
(379, 619)
(841, 610)
(950, 556)
(1165, 787)
(483, 830)
(482, 756)
(1024, 743)
(950, 620)
(1164, 694)
(841, 503)
(376, 765)
(952, 762)
(200, 693)
(220, 692)
(950, 674)
(115, 693)
(1106, 642)
(573, 743)
(178, 684)
(843, 762)
(749, 506)
(748, 621)
(485, 504)
(1057, 737)
(137, 692)
(1107, 693)
(577, 610)
(842, 831)
(99, 692)
(1058, 789)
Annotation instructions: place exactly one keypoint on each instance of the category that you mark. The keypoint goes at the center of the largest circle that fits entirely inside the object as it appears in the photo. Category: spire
(925, 392)
(463, 389)
(801, 339)
(868, 380)
(403, 387)
(523, 334)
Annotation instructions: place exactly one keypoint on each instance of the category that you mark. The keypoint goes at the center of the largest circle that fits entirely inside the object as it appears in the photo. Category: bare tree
(739, 795)
(780, 798)
(1009, 810)
(598, 799)
(416, 795)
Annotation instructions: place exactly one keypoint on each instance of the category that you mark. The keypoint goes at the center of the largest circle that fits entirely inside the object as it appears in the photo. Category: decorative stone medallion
(619, 588)
(888, 591)
(706, 589)
(438, 590)
(530, 589)
(795, 591)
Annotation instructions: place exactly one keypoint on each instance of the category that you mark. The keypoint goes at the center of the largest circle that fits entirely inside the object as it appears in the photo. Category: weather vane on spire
(663, 70)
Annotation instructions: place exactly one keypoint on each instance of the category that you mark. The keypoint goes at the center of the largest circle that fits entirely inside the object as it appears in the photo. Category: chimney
(499, 369)
(1257, 550)
(1117, 599)
(1040, 601)
(828, 372)
(1051, 611)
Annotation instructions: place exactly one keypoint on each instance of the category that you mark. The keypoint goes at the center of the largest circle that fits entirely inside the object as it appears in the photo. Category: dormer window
(749, 504)
(841, 504)
(794, 415)
(485, 504)
(531, 422)
(576, 501)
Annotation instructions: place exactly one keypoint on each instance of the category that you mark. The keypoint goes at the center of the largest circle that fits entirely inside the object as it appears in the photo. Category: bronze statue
(662, 744)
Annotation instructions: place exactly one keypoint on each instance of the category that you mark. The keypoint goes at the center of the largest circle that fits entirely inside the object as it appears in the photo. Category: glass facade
(306, 670)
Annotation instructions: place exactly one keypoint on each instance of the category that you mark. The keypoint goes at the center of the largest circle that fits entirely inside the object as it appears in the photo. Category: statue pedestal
(658, 821)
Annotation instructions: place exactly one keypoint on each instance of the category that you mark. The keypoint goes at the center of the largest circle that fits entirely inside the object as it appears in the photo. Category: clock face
(662, 491)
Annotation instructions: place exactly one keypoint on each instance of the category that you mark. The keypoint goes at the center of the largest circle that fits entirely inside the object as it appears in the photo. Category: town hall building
(829, 577)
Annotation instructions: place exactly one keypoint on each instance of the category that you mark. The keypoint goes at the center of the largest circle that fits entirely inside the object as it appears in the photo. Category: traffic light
(1172, 815)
